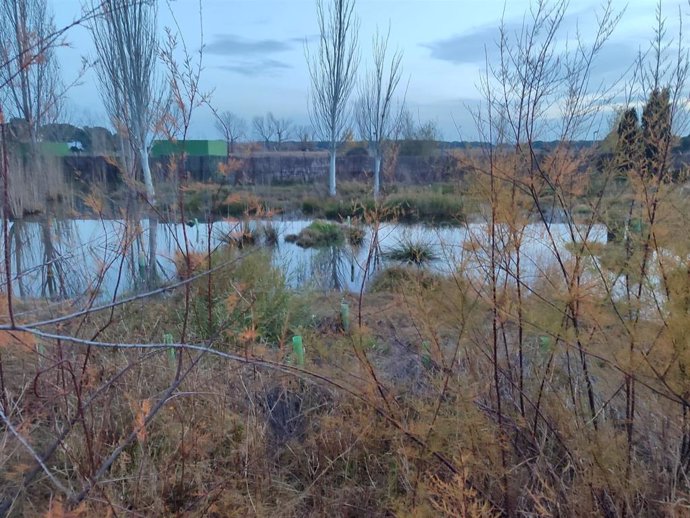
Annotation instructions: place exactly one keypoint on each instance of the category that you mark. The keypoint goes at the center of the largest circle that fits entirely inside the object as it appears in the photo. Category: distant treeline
(99, 140)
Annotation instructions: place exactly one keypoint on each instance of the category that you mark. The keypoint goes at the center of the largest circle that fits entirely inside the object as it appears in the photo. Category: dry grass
(395, 418)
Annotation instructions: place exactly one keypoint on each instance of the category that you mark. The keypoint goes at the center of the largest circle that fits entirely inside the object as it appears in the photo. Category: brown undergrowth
(233, 439)
(394, 417)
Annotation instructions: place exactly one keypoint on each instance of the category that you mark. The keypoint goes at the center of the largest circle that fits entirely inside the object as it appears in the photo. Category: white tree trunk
(331, 173)
(152, 270)
(377, 176)
(146, 174)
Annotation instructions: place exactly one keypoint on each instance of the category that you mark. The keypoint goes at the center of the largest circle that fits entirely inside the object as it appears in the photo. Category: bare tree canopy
(374, 111)
(125, 36)
(333, 71)
(231, 126)
(305, 135)
(30, 74)
(264, 128)
(282, 129)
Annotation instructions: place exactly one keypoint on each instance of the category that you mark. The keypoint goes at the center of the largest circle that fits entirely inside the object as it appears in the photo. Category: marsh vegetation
(215, 349)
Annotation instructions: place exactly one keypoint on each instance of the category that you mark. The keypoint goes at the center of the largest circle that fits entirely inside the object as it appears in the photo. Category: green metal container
(203, 148)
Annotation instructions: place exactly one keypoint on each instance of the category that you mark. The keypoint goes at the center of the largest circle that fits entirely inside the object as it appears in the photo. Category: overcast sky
(254, 52)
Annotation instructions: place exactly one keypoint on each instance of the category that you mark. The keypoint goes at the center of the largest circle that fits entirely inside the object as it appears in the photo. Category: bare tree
(30, 75)
(374, 111)
(282, 129)
(305, 135)
(126, 41)
(333, 71)
(31, 92)
(232, 127)
(264, 128)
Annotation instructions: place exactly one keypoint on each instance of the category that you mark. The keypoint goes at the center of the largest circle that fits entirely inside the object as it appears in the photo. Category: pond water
(72, 258)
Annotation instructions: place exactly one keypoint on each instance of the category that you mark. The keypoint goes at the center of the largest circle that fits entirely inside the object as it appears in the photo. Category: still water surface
(62, 258)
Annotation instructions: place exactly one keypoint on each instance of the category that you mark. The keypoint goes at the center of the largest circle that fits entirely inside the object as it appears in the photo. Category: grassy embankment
(442, 203)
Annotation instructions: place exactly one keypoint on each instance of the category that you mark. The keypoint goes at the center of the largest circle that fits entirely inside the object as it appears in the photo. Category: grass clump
(240, 237)
(240, 204)
(322, 233)
(311, 206)
(188, 265)
(269, 233)
(355, 235)
(411, 252)
(339, 209)
(397, 278)
(355, 208)
(407, 206)
(318, 234)
(425, 206)
(590, 248)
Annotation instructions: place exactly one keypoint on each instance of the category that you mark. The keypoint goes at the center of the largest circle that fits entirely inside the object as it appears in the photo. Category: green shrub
(266, 301)
(249, 296)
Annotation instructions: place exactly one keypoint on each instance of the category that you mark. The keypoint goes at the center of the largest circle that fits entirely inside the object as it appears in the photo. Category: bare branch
(232, 127)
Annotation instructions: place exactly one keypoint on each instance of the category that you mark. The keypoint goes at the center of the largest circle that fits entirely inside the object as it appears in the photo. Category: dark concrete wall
(263, 168)
(278, 167)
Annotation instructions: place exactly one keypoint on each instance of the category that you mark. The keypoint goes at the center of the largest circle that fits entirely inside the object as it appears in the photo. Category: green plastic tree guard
(168, 340)
(545, 343)
(298, 350)
(345, 316)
